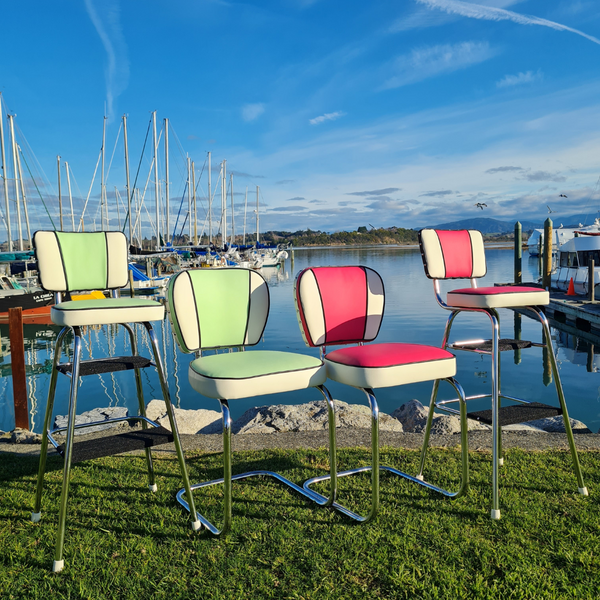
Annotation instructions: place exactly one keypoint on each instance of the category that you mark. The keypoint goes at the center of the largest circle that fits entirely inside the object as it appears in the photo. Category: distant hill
(487, 226)
(494, 226)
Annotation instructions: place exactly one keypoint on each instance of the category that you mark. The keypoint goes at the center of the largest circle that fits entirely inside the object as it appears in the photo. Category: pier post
(17, 364)
(518, 253)
(591, 281)
(547, 259)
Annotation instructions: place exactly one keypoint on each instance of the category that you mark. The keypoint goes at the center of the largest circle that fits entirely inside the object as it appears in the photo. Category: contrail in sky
(109, 30)
(477, 11)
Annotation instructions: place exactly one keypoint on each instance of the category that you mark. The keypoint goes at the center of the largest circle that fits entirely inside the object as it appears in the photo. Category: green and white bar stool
(226, 310)
(71, 262)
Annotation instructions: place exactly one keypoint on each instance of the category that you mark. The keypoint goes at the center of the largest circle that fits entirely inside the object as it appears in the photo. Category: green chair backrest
(69, 262)
(217, 308)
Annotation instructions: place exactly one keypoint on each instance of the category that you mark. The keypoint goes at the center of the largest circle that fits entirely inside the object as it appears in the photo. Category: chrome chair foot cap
(36, 517)
(58, 566)
(583, 491)
(420, 477)
(495, 514)
(500, 462)
(196, 526)
(153, 487)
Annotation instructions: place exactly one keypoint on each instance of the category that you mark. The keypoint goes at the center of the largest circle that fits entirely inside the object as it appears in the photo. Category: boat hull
(34, 303)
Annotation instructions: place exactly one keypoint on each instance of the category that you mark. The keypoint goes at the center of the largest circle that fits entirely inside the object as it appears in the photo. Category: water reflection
(411, 315)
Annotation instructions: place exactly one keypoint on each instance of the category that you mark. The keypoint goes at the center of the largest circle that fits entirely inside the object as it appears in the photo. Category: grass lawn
(124, 542)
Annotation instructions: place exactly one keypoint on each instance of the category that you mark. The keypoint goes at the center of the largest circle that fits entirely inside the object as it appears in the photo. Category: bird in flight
(549, 209)
(480, 205)
(563, 196)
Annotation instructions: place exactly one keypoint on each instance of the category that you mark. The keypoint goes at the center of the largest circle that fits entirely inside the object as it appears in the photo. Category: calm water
(412, 315)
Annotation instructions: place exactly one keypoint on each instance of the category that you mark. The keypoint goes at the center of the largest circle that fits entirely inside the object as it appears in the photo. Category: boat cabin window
(586, 257)
(568, 259)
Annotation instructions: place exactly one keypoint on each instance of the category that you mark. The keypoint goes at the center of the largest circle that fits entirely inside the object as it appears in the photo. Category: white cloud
(423, 63)
(108, 27)
(251, 112)
(490, 13)
(327, 117)
(519, 79)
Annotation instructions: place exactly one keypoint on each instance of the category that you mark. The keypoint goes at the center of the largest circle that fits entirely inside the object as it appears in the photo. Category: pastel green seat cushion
(77, 313)
(246, 374)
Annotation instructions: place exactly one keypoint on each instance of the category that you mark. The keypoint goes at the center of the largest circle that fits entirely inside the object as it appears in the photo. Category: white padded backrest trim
(184, 303)
(259, 308)
(375, 303)
(432, 254)
(479, 265)
(118, 256)
(313, 308)
(50, 265)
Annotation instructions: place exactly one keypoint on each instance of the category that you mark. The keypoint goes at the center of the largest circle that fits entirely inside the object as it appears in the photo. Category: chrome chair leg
(174, 430)
(228, 478)
(374, 468)
(59, 563)
(561, 399)
(464, 443)
(36, 515)
(495, 512)
(141, 408)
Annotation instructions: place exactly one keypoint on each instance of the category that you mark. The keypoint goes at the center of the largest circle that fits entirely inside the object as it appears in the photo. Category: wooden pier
(574, 311)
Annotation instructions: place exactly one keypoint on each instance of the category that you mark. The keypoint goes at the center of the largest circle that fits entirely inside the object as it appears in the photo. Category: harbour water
(411, 315)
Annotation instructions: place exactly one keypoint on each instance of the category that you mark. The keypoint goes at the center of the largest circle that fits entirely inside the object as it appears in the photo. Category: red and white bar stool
(344, 306)
(461, 255)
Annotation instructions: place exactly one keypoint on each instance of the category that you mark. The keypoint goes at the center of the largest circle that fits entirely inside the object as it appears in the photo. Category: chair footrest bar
(116, 444)
(520, 413)
(486, 345)
(107, 365)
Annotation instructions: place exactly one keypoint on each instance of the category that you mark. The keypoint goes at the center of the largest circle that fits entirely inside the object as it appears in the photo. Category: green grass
(124, 542)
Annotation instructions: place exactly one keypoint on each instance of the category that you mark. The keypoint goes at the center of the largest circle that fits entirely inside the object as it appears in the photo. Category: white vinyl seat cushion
(77, 313)
(388, 365)
(246, 374)
(498, 297)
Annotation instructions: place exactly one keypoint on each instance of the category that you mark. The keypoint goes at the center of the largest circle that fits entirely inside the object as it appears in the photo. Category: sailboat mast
(195, 205)
(60, 212)
(257, 234)
(168, 220)
(24, 197)
(156, 192)
(245, 213)
(224, 203)
(232, 211)
(16, 174)
(5, 178)
(129, 215)
(103, 206)
(70, 195)
(189, 187)
(209, 203)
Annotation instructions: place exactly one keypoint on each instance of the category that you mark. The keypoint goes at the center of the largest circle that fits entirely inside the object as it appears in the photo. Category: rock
(188, 421)
(557, 425)
(310, 416)
(24, 436)
(413, 416)
(91, 416)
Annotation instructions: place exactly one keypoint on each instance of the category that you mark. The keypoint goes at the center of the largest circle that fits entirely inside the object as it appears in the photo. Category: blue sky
(345, 113)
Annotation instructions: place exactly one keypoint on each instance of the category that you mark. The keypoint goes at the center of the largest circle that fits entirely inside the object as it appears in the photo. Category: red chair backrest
(339, 305)
(452, 254)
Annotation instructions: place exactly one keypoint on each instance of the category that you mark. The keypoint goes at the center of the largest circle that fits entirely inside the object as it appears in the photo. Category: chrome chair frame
(496, 394)
(47, 434)
(376, 467)
(228, 478)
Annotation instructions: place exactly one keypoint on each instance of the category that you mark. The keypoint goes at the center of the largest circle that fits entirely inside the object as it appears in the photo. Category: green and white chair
(227, 309)
(70, 262)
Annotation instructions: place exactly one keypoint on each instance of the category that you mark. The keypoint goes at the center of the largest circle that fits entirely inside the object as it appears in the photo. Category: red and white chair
(343, 306)
(461, 255)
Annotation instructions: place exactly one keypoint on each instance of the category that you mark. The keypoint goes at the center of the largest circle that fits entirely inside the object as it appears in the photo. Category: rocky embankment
(311, 416)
